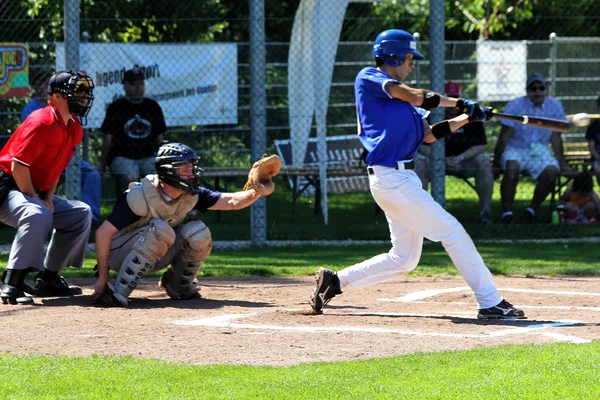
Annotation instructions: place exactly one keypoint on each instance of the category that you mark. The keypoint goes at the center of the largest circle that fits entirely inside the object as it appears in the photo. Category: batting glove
(481, 114)
(467, 106)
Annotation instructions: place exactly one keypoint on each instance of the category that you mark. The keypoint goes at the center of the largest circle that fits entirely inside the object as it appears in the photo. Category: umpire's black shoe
(57, 286)
(502, 310)
(14, 295)
(328, 285)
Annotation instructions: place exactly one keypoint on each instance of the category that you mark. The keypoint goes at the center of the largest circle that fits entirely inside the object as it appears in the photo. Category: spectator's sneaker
(502, 310)
(328, 285)
(486, 217)
(526, 217)
(507, 219)
(57, 286)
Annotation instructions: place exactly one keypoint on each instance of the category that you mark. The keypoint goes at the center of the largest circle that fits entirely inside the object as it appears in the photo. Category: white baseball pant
(413, 214)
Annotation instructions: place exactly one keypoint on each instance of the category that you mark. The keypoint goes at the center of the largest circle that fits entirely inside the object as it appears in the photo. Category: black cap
(132, 75)
(59, 82)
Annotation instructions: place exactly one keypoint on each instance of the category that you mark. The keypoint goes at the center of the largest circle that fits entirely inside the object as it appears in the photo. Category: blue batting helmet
(392, 45)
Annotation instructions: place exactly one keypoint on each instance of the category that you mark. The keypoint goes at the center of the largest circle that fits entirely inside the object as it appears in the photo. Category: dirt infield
(266, 321)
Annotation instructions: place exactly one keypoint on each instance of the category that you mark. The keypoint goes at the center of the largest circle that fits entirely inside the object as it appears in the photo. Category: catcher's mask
(173, 156)
(78, 88)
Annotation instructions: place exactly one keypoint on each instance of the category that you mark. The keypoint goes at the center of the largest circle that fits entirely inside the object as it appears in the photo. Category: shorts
(534, 160)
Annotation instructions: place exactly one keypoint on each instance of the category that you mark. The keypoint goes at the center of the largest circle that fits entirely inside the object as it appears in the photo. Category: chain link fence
(201, 63)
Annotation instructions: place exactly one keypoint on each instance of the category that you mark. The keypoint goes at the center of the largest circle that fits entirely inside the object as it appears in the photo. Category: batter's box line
(418, 297)
(226, 321)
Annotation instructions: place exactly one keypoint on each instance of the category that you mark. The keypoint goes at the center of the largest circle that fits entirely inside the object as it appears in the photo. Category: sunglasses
(537, 88)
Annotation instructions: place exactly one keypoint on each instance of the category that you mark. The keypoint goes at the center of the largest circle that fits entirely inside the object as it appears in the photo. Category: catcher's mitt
(261, 174)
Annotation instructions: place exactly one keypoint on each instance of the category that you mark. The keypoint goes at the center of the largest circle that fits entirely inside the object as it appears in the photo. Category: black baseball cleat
(55, 287)
(328, 285)
(502, 310)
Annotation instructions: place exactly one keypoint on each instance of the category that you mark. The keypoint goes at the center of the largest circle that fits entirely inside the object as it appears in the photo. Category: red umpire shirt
(44, 144)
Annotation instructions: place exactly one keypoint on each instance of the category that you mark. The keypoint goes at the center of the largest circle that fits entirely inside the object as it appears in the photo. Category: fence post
(417, 37)
(71, 43)
(258, 212)
(437, 59)
(553, 40)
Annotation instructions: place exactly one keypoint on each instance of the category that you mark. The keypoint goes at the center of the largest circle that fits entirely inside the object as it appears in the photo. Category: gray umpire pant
(71, 223)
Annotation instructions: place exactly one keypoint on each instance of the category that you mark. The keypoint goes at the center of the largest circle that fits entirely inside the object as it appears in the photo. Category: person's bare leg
(484, 183)
(508, 187)
(544, 186)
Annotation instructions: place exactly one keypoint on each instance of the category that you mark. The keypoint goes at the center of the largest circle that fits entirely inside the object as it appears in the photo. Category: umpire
(30, 165)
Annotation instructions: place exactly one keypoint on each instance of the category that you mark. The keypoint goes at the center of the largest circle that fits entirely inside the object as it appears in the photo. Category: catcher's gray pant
(123, 242)
(71, 222)
(413, 214)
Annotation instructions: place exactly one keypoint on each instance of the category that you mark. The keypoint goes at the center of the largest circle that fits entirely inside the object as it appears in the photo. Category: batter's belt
(402, 165)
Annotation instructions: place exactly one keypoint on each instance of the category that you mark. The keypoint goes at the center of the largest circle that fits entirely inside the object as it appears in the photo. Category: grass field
(557, 371)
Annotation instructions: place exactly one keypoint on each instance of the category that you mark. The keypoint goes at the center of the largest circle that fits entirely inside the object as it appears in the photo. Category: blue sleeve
(557, 111)
(206, 199)
(122, 215)
(511, 108)
(423, 113)
(372, 81)
(29, 108)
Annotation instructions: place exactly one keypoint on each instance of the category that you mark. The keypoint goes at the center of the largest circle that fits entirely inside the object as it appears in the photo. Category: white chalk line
(462, 303)
(425, 294)
(226, 321)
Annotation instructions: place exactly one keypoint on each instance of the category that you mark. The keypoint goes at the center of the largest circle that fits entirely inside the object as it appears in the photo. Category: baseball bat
(546, 123)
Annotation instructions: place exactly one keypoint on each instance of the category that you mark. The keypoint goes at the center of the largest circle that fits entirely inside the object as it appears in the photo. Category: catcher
(144, 233)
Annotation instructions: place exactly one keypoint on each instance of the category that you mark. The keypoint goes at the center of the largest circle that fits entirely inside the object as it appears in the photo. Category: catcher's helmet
(77, 87)
(392, 45)
(169, 158)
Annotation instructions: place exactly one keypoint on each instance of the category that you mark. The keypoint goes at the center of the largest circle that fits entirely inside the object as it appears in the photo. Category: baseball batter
(392, 126)
(144, 233)
(30, 165)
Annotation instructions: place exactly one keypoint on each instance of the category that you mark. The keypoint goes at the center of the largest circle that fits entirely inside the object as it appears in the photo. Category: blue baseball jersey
(390, 129)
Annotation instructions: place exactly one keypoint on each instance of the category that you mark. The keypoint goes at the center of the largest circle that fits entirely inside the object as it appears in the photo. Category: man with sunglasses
(524, 148)
(146, 231)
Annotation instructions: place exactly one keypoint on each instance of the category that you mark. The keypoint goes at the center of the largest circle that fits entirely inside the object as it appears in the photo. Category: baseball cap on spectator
(132, 75)
(535, 77)
(452, 89)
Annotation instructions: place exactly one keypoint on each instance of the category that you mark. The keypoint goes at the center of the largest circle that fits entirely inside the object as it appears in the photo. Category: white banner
(195, 84)
(501, 70)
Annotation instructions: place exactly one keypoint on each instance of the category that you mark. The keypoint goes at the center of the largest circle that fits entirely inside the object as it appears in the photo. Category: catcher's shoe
(193, 293)
(502, 310)
(113, 299)
(55, 287)
(328, 285)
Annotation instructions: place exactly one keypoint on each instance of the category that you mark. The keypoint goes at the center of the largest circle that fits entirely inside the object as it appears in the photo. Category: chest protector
(145, 200)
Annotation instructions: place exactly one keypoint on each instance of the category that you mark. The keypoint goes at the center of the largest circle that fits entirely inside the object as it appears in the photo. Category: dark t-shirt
(134, 128)
(593, 133)
(122, 216)
(462, 139)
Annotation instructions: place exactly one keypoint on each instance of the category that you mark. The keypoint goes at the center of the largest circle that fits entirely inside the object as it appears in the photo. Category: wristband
(441, 130)
(430, 99)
